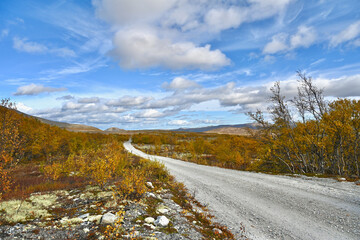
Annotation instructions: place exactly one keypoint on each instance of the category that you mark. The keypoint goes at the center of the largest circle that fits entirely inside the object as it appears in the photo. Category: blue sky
(171, 63)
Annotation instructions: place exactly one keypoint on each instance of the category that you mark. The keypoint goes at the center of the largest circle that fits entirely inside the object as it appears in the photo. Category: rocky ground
(95, 213)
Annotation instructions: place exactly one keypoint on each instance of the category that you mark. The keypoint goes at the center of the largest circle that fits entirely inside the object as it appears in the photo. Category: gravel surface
(271, 206)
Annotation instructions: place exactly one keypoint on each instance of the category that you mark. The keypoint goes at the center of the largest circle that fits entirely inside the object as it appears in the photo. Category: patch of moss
(105, 194)
(45, 200)
(22, 211)
(71, 221)
(95, 218)
(169, 229)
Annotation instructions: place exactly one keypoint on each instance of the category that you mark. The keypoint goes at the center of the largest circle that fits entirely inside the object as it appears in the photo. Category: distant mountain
(238, 129)
(243, 131)
(67, 126)
(212, 128)
(117, 130)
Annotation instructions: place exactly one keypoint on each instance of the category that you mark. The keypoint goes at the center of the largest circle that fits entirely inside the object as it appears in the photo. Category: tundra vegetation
(305, 135)
(36, 158)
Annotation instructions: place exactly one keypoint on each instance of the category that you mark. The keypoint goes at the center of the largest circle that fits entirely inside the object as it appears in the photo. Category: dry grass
(27, 179)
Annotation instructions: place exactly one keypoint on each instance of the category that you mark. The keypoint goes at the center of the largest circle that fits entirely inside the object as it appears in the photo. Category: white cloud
(34, 89)
(179, 122)
(179, 31)
(277, 44)
(304, 37)
(226, 17)
(180, 83)
(347, 86)
(350, 33)
(128, 101)
(143, 49)
(228, 97)
(23, 45)
(124, 11)
(78, 67)
(31, 47)
(66, 97)
(150, 113)
(221, 19)
(23, 108)
(89, 100)
(318, 61)
(63, 52)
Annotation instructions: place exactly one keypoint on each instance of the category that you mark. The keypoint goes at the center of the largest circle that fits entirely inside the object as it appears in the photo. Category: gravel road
(271, 206)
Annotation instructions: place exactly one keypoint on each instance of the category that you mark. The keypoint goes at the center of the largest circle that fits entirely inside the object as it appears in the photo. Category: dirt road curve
(272, 207)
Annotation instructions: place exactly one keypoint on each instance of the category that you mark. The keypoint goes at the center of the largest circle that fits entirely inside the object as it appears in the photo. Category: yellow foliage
(5, 180)
(53, 171)
(132, 185)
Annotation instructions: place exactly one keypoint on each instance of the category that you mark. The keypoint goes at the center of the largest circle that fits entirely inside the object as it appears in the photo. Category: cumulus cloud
(123, 11)
(277, 44)
(178, 122)
(128, 101)
(34, 89)
(66, 97)
(23, 45)
(150, 113)
(304, 37)
(23, 108)
(341, 87)
(229, 97)
(349, 33)
(89, 100)
(179, 29)
(180, 83)
(141, 49)
(221, 19)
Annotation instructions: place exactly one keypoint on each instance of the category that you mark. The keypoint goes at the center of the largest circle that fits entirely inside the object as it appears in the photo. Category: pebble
(217, 231)
(149, 185)
(149, 226)
(108, 218)
(162, 209)
(149, 220)
(162, 221)
(84, 216)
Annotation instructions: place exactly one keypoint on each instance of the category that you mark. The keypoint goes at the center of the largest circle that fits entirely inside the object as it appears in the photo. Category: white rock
(217, 231)
(84, 216)
(149, 226)
(149, 185)
(162, 209)
(95, 218)
(108, 218)
(162, 221)
(151, 195)
(149, 220)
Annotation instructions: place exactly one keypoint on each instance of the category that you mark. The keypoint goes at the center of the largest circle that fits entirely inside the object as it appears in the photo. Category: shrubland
(236, 152)
(35, 156)
(50, 177)
(308, 134)
(305, 135)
